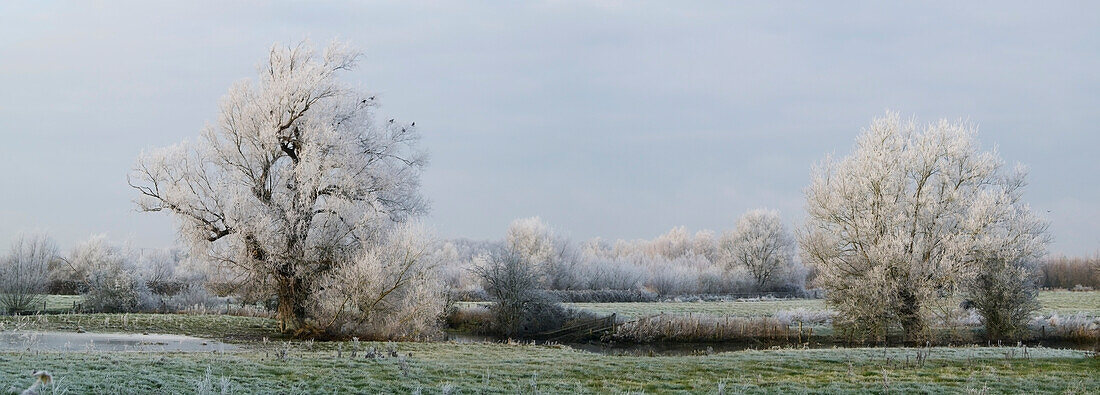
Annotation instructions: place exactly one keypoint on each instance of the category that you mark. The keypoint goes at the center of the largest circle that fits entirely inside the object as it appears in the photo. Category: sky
(617, 119)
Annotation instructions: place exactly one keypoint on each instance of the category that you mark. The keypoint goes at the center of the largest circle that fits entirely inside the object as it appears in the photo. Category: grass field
(1060, 302)
(265, 363)
(504, 368)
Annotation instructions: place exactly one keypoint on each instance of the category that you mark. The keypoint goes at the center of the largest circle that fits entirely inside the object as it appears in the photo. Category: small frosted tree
(761, 244)
(908, 219)
(293, 179)
(24, 272)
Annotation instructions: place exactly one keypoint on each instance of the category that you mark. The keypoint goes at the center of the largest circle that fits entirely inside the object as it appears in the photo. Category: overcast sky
(612, 119)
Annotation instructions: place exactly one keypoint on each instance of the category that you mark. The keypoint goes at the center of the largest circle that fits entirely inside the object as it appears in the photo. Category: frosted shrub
(110, 278)
(1005, 294)
(520, 307)
(114, 290)
(24, 272)
(391, 291)
(193, 296)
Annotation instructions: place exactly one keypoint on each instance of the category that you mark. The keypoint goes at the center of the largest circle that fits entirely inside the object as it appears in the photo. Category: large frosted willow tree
(294, 179)
(910, 218)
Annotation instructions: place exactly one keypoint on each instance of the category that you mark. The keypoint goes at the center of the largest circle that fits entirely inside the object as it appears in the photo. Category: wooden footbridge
(582, 329)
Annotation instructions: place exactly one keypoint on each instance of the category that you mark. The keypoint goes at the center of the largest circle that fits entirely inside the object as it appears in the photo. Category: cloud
(614, 119)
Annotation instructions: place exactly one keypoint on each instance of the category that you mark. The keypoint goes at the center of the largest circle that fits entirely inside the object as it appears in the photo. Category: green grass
(58, 303)
(1066, 302)
(317, 367)
(1061, 302)
(502, 368)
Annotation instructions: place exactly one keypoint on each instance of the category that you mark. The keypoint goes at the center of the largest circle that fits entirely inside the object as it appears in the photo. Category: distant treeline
(1070, 273)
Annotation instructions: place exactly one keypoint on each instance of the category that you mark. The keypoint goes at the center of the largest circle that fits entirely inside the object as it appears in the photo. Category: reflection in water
(75, 342)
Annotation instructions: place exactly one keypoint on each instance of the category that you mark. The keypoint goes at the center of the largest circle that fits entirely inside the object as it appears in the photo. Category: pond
(78, 342)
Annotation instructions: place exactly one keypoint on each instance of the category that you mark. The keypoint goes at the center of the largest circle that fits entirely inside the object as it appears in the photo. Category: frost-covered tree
(24, 272)
(674, 244)
(909, 218)
(555, 258)
(532, 239)
(761, 244)
(292, 181)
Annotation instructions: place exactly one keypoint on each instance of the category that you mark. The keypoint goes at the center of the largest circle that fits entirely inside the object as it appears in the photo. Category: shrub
(391, 291)
(520, 307)
(24, 272)
(1004, 293)
(111, 280)
(114, 290)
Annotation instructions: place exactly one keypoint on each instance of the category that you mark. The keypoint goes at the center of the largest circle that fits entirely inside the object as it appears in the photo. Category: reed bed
(708, 328)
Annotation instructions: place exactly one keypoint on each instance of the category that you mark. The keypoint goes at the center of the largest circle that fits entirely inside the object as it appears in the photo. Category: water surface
(75, 342)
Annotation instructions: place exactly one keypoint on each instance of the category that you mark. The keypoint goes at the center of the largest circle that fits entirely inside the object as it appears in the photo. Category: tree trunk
(291, 312)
